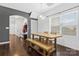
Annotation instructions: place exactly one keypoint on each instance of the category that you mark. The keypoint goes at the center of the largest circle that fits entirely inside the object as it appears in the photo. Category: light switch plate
(6, 27)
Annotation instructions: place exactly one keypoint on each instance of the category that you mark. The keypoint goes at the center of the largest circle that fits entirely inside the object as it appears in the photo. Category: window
(68, 23)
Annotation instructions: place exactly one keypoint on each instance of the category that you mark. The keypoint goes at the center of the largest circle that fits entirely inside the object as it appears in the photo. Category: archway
(16, 23)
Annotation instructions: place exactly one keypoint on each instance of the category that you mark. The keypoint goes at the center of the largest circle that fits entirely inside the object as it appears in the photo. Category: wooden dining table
(48, 36)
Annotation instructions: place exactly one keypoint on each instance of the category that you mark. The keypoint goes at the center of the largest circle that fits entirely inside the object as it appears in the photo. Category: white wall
(43, 25)
(69, 41)
(34, 25)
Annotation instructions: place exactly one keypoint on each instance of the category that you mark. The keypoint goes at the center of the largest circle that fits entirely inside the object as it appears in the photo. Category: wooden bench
(47, 49)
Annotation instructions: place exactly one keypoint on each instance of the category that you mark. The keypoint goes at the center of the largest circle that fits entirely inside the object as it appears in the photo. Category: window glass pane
(68, 23)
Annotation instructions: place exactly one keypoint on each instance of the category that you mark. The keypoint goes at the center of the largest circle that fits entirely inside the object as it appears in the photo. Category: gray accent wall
(4, 21)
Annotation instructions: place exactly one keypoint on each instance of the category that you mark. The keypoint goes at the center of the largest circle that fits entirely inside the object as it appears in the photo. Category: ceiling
(60, 8)
(45, 9)
(30, 7)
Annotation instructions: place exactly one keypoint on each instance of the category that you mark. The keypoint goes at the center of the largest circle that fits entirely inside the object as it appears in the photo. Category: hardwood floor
(17, 48)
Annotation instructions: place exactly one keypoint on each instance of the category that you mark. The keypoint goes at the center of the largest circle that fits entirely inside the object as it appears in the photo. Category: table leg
(47, 40)
(32, 36)
(39, 38)
(55, 45)
(33, 39)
